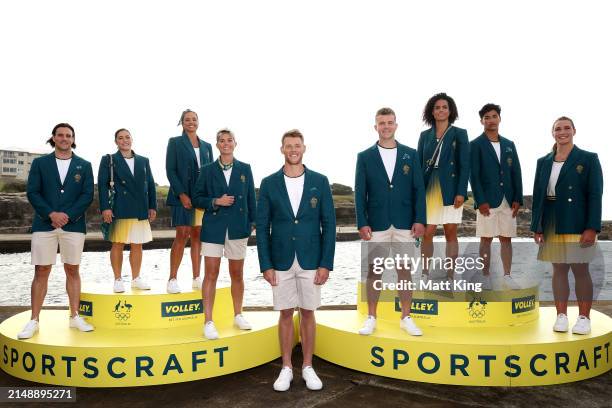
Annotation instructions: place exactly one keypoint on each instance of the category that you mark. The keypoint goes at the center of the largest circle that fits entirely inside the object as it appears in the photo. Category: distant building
(15, 163)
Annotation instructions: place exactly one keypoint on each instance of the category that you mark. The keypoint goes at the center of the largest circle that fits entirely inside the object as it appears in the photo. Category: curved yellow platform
(140, 338)
(149, 309)
(459, 308)
(126, 358)
(529, 354)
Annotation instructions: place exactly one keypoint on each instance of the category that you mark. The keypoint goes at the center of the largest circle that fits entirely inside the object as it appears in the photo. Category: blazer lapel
(139, 170)
(546, 169)
(204, 153)
(398, 161)
(305, 192)
(569, 163)
(236, 172)
(74, 163)
(189, 147)
(488, 146)
(284, 195)
(53, 165)
(378, 160)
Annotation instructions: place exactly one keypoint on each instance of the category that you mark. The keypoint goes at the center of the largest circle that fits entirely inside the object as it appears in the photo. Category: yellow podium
(470, 340)
(141, 338)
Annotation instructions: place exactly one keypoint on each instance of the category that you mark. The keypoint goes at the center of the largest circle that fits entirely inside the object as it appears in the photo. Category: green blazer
(454, 164)
(236, 219)
(135, 194)
(380, 202)
(494, 179)
(281, 236)
(579, 191)
(182, 166)
(47, 194)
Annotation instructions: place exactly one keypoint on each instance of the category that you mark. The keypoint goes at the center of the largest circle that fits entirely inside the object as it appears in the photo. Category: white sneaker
(140, 283)
(582, 326)
(368, 326)
(118, 286)
(210, 331)
(197, 283)
(283, 382)
(486, 282)
(408, 324)
(241, 322)
(313, 382)
(510, 283)
(173, 286)
(78, 322)
(561, 324)
(28, 330)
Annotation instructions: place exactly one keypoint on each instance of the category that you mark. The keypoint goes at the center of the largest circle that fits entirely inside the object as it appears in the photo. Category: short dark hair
(121, 130)
(488, 108)
(186, 111)
(428, 111)
(292, 133)
(61, 125)
(385, 111)
(225, 131)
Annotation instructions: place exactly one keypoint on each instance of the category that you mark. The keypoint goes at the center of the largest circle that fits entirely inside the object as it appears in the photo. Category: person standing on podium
(390, 210)
(296, 240)
(60, 188)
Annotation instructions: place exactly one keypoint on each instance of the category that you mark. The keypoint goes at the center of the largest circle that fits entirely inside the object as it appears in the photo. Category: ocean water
(16, 273)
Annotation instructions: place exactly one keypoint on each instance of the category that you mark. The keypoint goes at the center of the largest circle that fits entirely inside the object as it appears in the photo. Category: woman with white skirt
(444, 151)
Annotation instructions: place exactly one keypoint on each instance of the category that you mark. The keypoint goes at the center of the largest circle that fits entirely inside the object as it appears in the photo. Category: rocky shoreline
(16, 216)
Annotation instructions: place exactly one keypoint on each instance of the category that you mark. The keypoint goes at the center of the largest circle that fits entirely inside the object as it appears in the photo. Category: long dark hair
(60, 125)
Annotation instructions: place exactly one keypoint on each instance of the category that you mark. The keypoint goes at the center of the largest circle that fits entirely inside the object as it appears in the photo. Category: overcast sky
(325, 67)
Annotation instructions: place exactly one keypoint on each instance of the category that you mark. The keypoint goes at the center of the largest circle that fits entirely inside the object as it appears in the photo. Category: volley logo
(122, 311)
(181, 308)
(419, 306)
(523, 304)
(85, 308)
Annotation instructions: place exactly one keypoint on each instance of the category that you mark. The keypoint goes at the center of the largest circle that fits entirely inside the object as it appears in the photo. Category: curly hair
(428, 117)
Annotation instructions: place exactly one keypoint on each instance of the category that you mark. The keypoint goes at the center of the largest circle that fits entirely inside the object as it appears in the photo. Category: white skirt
(437, 212)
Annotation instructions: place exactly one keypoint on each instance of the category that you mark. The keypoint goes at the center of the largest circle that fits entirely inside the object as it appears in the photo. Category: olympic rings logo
(122, 316)
(477, 314)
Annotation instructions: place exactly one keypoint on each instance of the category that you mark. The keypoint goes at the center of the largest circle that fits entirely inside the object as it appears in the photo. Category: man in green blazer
(60, 188)
(390, 209)
(497, 187)
(296, 238)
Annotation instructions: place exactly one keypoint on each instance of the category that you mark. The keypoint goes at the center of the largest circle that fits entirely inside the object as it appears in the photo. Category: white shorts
(44, 247)
(389, 242)
(234, 249)
(499, 223)
(296, 288)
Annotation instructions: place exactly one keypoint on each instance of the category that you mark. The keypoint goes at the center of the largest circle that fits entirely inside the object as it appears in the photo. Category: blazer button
(214, 213)
(296, 222)
(501, 184)
(239, 196)
(569, 199)
(125, 192)
(293, 238)
(501, 173)
(122, 181)
(241, 210)
(453, 175)
(390, 185)
(452, 163)
(570, 187)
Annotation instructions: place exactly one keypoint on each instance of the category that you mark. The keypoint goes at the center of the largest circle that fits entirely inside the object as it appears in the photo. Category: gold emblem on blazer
(509, 161)
(579, 168)
(313, 202)
(77, 178)
(243, 178)
(406, 169)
